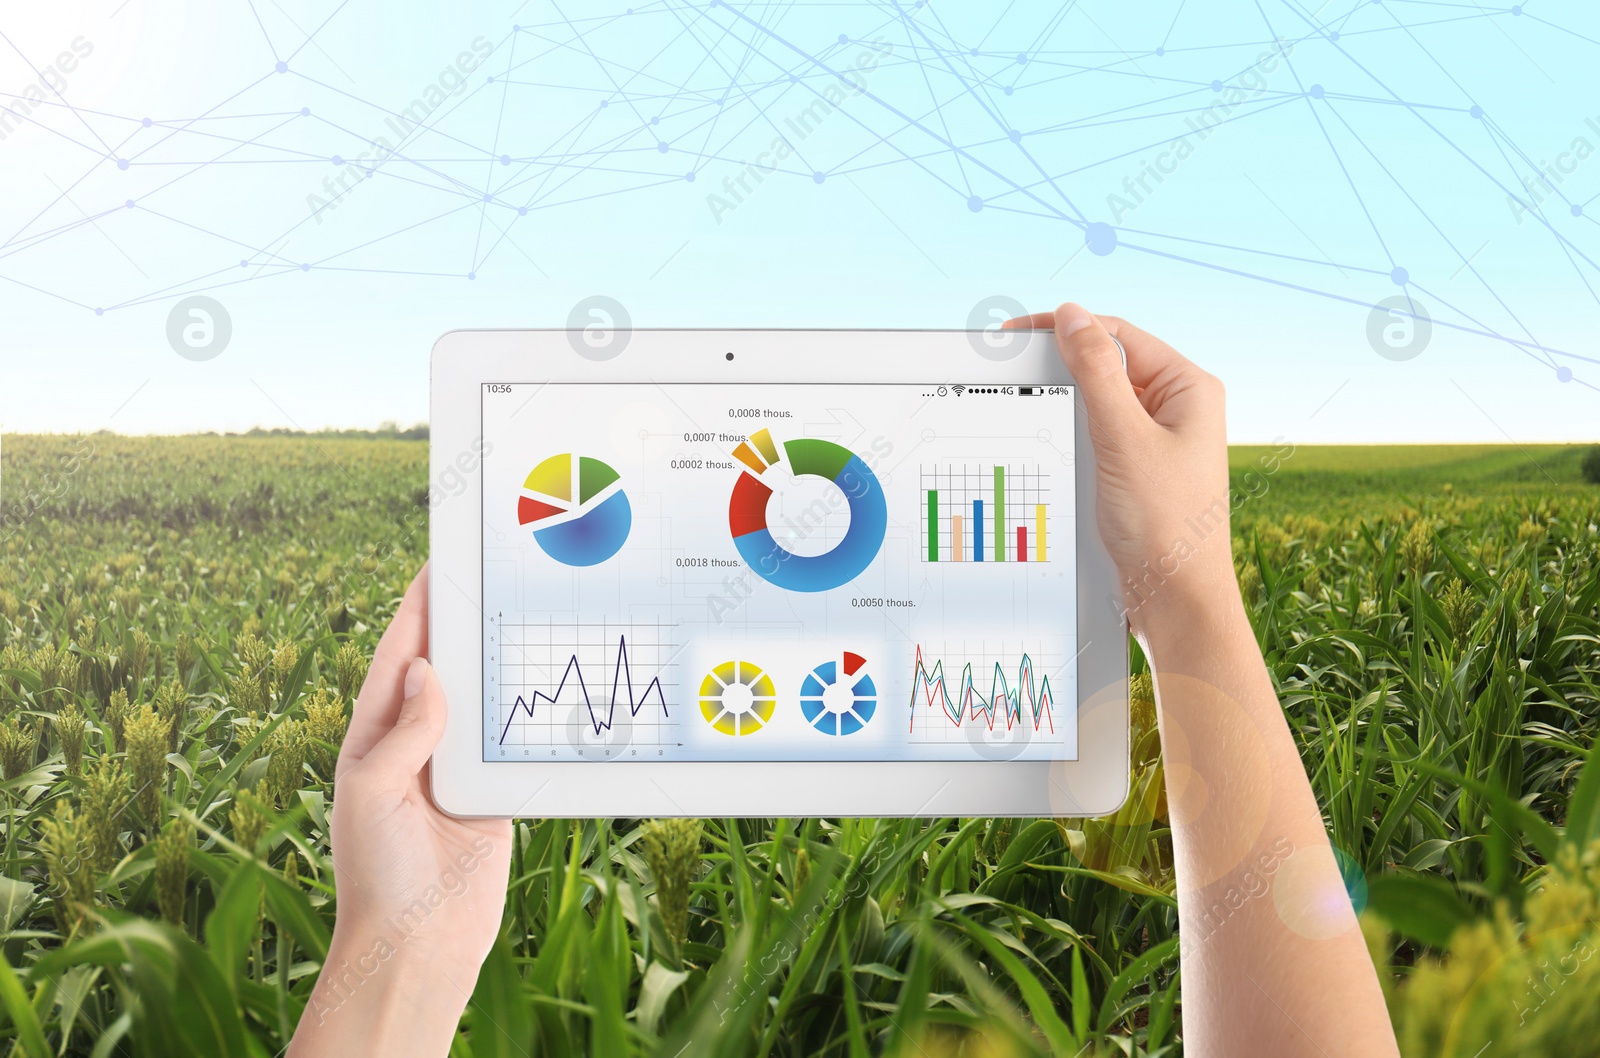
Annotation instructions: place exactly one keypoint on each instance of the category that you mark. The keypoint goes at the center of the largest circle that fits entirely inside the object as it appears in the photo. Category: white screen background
(623, 646)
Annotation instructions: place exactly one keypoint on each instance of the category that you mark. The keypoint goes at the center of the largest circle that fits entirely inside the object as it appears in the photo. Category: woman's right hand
(1161, 445)
(1287, 975)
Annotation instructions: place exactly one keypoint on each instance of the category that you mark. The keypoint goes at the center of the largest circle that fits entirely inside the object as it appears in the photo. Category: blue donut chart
(776, 564)
(863, 696)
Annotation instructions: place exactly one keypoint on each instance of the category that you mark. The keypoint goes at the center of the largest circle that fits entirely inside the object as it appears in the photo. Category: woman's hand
(1161, 445)
(1273, 961)
(421, 894)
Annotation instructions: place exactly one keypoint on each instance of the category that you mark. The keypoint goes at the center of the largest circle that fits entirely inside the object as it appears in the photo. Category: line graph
(621, 672)
(594, 690)
(944, 713)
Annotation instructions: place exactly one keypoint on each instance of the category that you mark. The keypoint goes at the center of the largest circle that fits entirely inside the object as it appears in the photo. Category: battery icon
(1030, 391)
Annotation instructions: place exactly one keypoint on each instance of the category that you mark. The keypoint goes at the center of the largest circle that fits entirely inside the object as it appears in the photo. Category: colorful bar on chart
(977, 530)
(1022, 543)
(955, 537)
(1038, 539)
(999, 514)
(933, 525)
(762, 439)
(747, 455)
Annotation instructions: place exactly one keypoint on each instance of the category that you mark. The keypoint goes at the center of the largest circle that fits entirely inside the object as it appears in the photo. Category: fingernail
(416, 676)
(1070, 318)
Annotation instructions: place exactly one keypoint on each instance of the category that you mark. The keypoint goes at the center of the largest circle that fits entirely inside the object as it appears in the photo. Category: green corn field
(184, 623)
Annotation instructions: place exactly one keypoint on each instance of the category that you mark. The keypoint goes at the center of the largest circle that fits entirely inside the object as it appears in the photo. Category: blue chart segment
(590, 538)
(579, 701)
(1028, 702)
(776, 564)
(838, 697)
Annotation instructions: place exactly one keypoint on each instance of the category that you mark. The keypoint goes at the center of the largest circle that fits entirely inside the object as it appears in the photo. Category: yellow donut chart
(737, 698)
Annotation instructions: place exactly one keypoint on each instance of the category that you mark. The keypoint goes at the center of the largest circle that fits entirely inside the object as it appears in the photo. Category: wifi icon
(959, 389)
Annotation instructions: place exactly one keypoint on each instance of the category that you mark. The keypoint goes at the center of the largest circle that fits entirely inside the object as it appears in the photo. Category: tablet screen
(778, 572)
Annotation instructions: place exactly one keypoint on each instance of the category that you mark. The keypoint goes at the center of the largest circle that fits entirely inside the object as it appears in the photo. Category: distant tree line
(385, 431)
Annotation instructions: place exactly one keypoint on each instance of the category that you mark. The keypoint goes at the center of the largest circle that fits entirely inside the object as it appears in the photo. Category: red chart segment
(747, 510)
(532, 510)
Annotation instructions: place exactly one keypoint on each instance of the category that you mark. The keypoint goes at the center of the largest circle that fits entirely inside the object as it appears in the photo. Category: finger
(1046, 321)
(1148, 356)
(1175, 391)
(394, 763)
(1096, 364)
(379, 701)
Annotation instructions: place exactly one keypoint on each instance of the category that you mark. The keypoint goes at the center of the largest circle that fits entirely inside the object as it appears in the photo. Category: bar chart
(985, 512)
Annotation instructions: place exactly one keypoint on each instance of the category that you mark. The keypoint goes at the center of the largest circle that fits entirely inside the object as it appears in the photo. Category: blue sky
(1248, 180)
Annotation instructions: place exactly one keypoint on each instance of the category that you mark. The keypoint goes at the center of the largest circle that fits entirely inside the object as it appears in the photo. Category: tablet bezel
(463, 784)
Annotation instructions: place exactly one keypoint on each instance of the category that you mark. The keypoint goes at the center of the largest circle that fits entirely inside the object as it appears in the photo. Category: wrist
(406, 956)
(1169, 599)
(405, 993)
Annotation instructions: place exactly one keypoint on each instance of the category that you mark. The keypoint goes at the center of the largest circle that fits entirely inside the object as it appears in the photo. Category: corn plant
(185, 624)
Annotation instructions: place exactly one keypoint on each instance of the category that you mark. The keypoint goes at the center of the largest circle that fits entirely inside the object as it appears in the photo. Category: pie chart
(838, 697)
(747, 513)
(737, 698)
(575, 504)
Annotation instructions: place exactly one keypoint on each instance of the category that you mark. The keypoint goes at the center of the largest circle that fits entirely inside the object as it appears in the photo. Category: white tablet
(770, 573)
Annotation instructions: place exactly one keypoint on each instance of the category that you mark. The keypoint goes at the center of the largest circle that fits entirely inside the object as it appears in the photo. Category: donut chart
(761, 551)
(737, 698)
(854, 711)
(581, 533)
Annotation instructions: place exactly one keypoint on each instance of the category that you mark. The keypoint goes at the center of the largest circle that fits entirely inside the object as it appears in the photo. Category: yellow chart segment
(746, 455)
(768, 451)
(553, 477)
(737, 698)
(762, 439)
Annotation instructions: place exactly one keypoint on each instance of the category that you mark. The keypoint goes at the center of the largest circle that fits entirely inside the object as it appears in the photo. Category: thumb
(394, 762)
(1096, 364)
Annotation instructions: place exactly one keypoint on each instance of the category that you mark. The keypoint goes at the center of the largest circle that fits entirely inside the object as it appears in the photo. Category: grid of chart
(590, 690)
(985, 512)
(981, 692)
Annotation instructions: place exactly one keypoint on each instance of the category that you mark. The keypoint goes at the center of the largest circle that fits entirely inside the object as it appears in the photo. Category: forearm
(1273, 960)
(376, 997)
